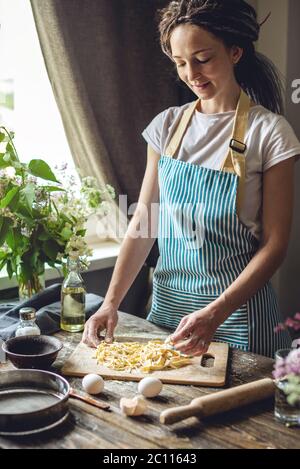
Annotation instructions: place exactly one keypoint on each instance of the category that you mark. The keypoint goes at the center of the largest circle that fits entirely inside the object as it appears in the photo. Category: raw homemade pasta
(145, 357)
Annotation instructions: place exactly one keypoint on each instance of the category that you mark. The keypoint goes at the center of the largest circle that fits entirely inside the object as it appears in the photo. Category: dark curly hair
(235, 23)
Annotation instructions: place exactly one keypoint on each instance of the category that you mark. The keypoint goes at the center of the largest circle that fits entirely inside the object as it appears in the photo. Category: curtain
(110, 79)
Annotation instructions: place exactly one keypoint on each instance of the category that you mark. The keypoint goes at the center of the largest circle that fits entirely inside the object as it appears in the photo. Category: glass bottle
(27, 325)
(73, 299)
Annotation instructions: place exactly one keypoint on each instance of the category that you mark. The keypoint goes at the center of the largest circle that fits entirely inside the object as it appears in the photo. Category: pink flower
(288, 366)
(292, 362)
(289, 323)
(292, 323)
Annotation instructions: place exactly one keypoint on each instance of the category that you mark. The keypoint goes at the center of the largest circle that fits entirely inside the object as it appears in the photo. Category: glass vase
(286, 411)
(35, 285)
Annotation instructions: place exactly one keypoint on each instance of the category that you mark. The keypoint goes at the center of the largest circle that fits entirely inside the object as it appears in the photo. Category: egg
(93, 384)
(150, 387)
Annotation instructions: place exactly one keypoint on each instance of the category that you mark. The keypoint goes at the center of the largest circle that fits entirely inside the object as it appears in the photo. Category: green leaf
(81, 233)
(11, 151)
(41, 169)
(3, 255)
(40, 267)
(9, 197)
(54, 189)
(51, 248)
(26, 271)
(2, 264)
(3, 163)
(2, 136)
(43, 235)
(9, 269)
(5, 226)
(23, 213)
(27, 197)
(10, 239)
(13, 264)
(15, 240)
(66, 233)
(66, 219)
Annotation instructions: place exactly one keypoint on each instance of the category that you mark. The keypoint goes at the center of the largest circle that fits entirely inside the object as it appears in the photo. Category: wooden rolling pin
(221, 401)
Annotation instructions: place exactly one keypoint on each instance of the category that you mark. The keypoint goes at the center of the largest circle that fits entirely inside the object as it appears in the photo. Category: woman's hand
(105, 318)
(195, 332)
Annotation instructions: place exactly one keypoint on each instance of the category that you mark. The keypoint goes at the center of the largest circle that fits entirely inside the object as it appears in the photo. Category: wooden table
(89, 427)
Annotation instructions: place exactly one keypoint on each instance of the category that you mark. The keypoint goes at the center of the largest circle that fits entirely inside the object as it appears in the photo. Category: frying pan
(32, 401)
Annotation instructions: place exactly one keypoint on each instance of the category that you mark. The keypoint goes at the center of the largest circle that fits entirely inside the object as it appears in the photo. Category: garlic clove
(133, 407)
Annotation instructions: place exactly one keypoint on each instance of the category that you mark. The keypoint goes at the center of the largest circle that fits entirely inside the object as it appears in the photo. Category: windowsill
(104, 257)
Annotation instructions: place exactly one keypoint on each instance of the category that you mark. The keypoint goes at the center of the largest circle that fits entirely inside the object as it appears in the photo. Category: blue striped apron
(204, 247)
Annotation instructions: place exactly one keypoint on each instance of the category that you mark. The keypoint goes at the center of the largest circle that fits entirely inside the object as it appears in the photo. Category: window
(27, 103)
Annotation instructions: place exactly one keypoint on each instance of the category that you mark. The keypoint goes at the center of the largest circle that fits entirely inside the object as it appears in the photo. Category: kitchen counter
(88, 427)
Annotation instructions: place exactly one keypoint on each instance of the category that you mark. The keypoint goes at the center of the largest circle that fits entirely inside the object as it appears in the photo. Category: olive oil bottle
(73, 293)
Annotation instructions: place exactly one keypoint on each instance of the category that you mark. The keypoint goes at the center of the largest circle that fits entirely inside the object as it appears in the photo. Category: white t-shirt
(270, 140)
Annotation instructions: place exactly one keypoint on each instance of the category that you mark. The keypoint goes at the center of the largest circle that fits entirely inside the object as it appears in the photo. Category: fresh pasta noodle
(136, 356)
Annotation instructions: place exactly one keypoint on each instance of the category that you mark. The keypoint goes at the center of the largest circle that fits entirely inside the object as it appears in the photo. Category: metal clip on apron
(204, 247)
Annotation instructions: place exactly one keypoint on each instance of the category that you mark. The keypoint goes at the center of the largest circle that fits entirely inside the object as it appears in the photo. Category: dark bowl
(37, 351)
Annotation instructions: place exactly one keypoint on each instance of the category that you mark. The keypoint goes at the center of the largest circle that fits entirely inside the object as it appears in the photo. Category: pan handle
(89, 400)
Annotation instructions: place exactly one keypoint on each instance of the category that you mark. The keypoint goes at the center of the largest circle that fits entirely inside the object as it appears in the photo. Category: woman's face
(203, 62)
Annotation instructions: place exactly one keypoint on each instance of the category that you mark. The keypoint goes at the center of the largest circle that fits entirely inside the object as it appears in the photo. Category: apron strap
(177, 137)
(235, 160)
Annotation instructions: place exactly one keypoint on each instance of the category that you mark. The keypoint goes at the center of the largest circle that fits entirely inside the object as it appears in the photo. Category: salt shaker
(27, 325)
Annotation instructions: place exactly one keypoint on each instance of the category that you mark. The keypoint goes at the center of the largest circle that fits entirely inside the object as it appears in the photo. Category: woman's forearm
(133, 253)
(257, 273)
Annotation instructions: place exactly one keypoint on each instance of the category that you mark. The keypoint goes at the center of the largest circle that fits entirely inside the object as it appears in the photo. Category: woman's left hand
(195, 332)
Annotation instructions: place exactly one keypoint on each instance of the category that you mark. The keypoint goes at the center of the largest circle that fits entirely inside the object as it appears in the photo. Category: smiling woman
(232, 153)
(208, 70)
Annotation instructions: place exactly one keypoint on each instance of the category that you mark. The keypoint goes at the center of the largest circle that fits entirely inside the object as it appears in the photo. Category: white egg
(93, 384)
(150, 387)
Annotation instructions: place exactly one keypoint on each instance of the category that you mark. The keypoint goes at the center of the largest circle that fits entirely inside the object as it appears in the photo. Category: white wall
(279, 40)
(274, 33)
(290, 272)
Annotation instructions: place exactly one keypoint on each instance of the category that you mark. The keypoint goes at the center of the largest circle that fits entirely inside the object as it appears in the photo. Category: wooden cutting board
(198, 373)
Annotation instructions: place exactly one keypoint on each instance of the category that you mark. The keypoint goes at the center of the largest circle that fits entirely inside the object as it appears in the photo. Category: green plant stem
(11, 142)
(32, 286)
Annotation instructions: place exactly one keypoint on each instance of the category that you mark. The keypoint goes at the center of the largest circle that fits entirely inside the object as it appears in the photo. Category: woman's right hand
(106, 318)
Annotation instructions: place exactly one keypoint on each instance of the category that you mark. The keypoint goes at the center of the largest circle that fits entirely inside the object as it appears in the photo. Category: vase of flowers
(42, 216)
(287, 380)
(287, 376)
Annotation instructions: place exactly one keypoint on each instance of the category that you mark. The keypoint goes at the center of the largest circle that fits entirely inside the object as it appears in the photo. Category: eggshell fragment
(133, 407)
(150, 387)
(93, 384)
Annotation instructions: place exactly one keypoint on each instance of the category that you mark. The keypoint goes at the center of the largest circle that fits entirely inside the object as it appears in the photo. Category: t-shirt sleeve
(281, 145)
(153, 133)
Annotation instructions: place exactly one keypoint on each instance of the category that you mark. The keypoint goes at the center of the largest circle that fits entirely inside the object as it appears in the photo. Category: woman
(225, 187)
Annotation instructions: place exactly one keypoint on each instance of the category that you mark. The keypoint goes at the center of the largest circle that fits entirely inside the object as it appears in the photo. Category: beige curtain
(110, 79)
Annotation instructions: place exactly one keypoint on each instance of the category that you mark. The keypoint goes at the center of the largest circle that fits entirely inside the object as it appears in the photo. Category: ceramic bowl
(37, 352)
